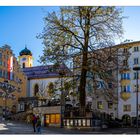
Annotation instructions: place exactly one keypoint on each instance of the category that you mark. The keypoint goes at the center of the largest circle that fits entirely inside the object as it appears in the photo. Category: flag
(10, 68)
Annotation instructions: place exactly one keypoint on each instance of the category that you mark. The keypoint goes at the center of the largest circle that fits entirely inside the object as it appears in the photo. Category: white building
(39, 81)
(127, 84)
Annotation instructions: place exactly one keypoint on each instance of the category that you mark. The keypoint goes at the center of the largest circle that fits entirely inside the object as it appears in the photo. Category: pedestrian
(38, 125)
(34, 121)
(28, 119)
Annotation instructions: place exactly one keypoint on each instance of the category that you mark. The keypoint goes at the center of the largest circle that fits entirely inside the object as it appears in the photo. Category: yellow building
(25, 58)
(11, 76)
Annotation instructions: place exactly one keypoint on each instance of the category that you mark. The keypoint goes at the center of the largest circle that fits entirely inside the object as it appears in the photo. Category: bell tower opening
(23, 65)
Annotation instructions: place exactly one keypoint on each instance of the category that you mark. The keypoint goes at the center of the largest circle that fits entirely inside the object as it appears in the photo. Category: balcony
(124, 68)
(126, 53)
(125, 95)
(125, 81)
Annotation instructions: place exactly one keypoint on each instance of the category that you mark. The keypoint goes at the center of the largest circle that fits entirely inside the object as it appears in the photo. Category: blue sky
(20, 25)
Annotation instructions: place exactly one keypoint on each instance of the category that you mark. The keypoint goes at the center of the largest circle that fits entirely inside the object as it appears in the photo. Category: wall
(132, 99)
(6, 53)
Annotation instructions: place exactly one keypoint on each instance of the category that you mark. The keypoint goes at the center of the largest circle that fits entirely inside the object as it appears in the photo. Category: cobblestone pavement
(11, 127)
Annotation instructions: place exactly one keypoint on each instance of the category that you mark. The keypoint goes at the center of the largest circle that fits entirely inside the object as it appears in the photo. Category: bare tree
(77, 29)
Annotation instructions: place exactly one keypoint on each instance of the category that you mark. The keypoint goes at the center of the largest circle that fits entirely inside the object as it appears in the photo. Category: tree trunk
(83, 85)
(84, 65)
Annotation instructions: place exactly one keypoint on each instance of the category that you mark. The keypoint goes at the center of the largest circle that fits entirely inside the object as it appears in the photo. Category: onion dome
(25, 52)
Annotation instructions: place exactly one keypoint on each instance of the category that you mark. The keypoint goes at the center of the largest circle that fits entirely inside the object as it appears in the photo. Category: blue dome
(25, 52)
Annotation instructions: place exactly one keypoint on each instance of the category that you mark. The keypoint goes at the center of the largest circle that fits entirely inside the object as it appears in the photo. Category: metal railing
(81, 122)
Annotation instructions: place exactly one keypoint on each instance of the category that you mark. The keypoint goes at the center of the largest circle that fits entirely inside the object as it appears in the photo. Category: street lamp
(137, 69)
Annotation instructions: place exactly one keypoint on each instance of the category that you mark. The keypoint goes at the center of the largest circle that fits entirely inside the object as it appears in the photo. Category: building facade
(124, 108)
(44, 85)
(12, 81)
(39, 80)
(127, 84)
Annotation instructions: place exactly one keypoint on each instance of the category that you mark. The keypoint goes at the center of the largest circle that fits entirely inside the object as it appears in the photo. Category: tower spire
(25, 46)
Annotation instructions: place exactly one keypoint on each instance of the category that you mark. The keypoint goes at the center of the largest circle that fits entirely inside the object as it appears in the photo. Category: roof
(27, 98)
(121, 45)
(25, 52)
(48, 71)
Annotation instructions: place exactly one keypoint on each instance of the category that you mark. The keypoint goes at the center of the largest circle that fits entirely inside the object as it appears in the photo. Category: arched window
(36, 89)
(23, 65)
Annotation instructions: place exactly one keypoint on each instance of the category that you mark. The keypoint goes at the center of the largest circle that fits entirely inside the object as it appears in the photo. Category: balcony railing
(125, 95)
(124, 68)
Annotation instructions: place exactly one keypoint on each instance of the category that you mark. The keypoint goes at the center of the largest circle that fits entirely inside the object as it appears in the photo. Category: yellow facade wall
(28, 62)
(18, 74)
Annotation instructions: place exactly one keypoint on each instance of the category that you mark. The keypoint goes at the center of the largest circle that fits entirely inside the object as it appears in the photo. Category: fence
(81, 122)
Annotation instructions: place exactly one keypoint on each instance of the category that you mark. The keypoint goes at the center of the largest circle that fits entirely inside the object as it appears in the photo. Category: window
(136, 49)
(122, 76)
(124, 62)
(23, 65)
(135, 88)
(109, 85)
(125, 76)
(36, 89)
(112, 115)
(110, 105)
(127, 108)
(136, 75)
(4, 64)
(99, 104)
(128, 88)
(136, 61)
(2, 73)
(125, 88)
(13, 76)
(6, 74)
(21, 107)
(53, 118)
(125, 50)
(1, 62)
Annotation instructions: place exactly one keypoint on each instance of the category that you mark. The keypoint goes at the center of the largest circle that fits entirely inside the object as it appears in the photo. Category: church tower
(25, 58)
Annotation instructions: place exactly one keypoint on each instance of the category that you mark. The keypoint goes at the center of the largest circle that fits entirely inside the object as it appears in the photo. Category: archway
(36, 89)
(126, 120)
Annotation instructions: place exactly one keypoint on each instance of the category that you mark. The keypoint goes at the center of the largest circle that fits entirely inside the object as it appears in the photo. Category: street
(11, 127)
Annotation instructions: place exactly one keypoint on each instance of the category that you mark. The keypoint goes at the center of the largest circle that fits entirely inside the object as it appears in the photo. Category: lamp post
(137, 69)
